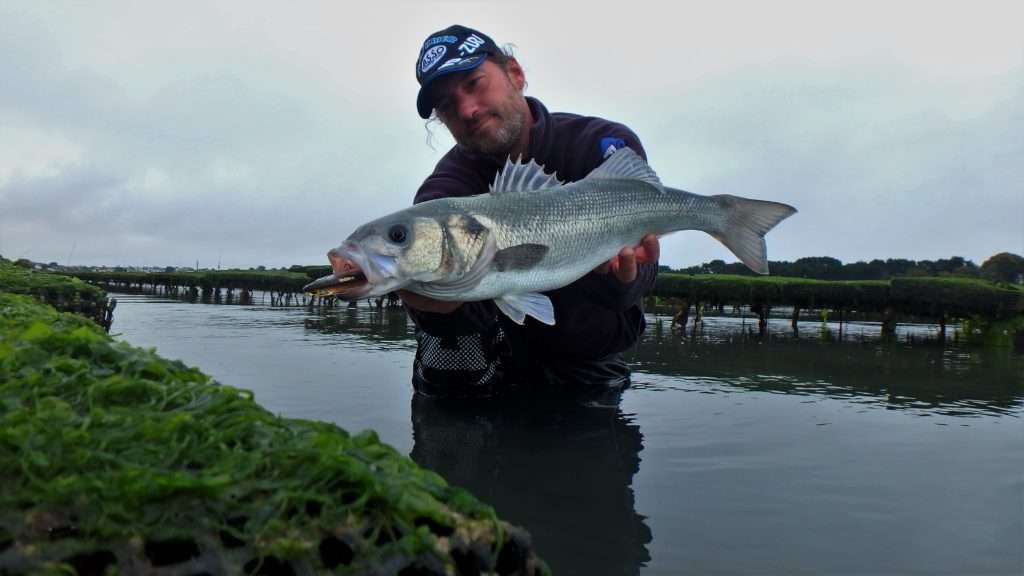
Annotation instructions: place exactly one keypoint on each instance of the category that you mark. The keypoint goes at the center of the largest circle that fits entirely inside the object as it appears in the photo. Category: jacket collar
(539, 130)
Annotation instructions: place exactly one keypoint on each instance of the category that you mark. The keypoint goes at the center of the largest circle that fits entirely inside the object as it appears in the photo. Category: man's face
(484, 108)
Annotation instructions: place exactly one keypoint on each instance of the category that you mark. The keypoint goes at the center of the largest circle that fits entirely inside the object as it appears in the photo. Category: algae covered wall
(119, 461)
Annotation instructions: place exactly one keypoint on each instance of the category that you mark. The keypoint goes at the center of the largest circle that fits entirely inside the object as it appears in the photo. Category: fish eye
(397, 234)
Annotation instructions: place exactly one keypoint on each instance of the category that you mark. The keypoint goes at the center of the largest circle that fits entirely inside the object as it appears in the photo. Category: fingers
(649, 249)
(624, 264)
(625, 271)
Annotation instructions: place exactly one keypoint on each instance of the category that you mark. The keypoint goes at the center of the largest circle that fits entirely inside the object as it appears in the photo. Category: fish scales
(583, 223)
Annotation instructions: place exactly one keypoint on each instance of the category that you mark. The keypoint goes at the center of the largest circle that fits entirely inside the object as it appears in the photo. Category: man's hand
(424, 304)
(623, 266)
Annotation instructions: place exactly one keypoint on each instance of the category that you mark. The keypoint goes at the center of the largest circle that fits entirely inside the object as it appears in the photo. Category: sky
(242, 134)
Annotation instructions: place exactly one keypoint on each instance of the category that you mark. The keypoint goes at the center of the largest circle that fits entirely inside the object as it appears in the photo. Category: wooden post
(762, 316)
(108, 315)
(888, 321)
(683, 315)
(796, 319)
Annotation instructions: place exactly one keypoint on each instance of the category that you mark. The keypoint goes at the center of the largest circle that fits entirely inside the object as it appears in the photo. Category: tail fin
(745, 224)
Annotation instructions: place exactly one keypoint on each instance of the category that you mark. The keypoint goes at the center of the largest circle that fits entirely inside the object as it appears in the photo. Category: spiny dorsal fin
(624, 163)
(519, 177)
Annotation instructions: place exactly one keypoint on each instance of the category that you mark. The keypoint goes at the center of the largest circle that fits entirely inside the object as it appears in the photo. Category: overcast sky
(161, 133)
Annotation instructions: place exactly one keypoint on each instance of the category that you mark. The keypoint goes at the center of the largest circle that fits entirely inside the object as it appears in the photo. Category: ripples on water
(824, 452)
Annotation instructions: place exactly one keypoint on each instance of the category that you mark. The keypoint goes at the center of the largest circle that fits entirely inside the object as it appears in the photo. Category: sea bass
(533, 233)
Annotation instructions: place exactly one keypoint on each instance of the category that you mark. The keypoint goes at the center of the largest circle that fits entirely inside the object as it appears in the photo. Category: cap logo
(458, 62)
(470, 45)
(439, 39)
(432, 57)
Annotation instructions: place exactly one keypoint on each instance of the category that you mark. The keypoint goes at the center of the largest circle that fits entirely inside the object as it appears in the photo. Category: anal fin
(519, 306)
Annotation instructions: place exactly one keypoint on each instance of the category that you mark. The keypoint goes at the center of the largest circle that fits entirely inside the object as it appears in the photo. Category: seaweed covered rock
(118, 461)
(65, 293)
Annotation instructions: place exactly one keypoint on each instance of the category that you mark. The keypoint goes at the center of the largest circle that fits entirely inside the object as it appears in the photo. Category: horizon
(286, 267)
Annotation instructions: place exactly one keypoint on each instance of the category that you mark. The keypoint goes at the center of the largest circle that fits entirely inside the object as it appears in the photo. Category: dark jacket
(594, 316)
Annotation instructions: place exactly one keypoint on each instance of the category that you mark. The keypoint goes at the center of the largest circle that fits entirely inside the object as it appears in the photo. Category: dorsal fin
(519, 177)
(624, 163)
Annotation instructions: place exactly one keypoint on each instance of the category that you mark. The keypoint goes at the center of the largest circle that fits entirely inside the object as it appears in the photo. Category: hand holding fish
(623, 265)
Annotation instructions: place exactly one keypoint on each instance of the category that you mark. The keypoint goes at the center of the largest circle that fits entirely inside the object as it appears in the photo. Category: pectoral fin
(521, 257)
(519, 306)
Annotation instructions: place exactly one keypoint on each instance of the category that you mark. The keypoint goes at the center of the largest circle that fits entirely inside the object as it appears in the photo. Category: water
(729, 455)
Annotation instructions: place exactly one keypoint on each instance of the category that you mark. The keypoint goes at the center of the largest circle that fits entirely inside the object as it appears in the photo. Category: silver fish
(532, 234)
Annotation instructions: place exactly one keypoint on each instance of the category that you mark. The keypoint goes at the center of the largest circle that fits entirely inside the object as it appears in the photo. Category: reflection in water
(927, 376)
(382, 328)
(563, 471)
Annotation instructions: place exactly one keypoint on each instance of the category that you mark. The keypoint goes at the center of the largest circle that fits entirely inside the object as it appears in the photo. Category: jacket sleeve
(620, 296)
(468, 318)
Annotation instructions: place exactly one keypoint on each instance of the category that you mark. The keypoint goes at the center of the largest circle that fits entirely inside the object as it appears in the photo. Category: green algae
(116, 459)
(48, 288)
(936, 297)
(65, 293)
(276, 281)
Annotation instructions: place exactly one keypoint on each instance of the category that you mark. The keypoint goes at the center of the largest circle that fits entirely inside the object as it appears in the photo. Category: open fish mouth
(347, 282)
(345, 286)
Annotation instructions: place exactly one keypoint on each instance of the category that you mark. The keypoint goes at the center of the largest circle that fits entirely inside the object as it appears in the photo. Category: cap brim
(424, 103)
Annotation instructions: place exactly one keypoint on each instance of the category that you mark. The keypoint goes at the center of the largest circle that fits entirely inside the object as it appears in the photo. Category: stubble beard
(501, 143)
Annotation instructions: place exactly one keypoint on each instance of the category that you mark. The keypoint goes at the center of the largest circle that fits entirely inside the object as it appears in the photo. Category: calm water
(729, 455)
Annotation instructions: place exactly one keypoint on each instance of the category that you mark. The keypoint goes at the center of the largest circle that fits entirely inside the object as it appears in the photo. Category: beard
(500, 142)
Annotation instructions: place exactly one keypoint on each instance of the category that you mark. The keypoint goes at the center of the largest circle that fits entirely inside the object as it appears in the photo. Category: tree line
(1002, 267)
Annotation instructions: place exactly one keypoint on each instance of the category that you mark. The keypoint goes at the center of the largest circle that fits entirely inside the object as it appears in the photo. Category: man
(471, 349)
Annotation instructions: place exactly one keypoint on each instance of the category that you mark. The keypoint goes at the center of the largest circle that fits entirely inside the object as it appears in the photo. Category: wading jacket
(476, 350)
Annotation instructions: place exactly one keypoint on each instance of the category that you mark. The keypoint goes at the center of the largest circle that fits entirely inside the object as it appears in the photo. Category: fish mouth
(348, 281)
(348, 287)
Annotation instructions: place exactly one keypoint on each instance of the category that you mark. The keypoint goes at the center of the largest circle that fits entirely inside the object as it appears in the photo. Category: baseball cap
(454, 49)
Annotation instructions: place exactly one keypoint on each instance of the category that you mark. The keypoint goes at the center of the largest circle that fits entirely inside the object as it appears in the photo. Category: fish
(532, 233)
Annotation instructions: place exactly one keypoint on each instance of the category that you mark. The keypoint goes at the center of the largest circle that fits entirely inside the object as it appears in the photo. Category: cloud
(262, 135)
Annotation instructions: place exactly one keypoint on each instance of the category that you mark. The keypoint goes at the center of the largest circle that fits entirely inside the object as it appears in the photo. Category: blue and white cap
(454, 49)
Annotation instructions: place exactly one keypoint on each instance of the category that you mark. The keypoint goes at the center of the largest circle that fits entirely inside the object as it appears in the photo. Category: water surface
(730, 454)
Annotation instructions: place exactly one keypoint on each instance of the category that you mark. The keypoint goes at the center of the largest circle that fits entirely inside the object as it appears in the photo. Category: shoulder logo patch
(609, 144)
